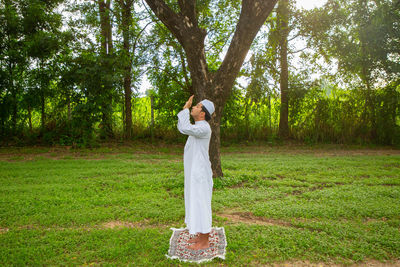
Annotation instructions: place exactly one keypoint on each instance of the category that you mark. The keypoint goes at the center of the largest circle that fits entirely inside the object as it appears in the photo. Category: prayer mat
(178, 246)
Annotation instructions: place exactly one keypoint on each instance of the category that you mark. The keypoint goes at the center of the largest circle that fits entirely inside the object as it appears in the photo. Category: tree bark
(69, 107)
(42, 98)
(105, 26)
(107, 49)
(13, 90)
(126, 9)
(214, 86)
(283, 17)
(10, 66)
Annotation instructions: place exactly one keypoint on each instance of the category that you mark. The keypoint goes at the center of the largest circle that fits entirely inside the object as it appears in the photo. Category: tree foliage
(59, 86)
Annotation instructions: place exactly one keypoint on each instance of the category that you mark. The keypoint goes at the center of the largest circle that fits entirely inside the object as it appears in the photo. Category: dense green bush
(315, 116)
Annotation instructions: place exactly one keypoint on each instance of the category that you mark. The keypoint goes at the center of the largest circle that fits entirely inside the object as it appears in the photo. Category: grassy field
(279, 205)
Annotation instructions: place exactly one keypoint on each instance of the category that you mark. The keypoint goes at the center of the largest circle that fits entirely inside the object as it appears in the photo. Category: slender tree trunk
(283, 16)
(128, 107)
(371, 104)
(108, 27)
(126, 8)
(188, 85)
(393, 117)
(105, 26)
(123, 117)
(107, 50)
(370, 107)
(14, 97)
(42, 98)
(246, 118)
(30, 118)
(14, 109)
(269, 110)
(69, 107)
(11, 86)
(43, 111)
(152, 117)
(369, 111)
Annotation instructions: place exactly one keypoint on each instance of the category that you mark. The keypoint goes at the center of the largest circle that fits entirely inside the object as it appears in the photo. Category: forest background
(71, 73)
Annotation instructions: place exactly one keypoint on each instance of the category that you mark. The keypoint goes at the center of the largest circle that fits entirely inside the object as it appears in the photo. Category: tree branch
(294, 52)
(252, 16)
(183, 25)
(188, 10)
(170, 19)
(294, 37)
(223, 39)
(137, 36)
(185, 74)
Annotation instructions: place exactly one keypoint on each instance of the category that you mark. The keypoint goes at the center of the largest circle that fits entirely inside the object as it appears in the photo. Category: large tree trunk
(214, 86)
(283, 16)
(215, 143)
(107, 49)
(126, 8)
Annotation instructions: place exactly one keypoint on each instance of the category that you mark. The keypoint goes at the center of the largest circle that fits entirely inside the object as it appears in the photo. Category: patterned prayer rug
(178, 246)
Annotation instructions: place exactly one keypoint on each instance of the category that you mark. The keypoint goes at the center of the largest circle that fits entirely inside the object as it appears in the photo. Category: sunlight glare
(310, 4)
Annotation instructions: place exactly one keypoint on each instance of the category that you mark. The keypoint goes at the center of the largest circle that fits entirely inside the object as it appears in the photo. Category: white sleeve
(185, 127)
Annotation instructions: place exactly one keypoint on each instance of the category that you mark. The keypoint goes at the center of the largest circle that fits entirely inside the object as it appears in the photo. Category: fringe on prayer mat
(178, 243)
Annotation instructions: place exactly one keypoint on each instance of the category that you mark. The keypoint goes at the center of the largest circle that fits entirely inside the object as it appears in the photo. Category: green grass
(323, 205)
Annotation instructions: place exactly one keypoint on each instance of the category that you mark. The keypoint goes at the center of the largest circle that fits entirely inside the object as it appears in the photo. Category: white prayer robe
(198, 174)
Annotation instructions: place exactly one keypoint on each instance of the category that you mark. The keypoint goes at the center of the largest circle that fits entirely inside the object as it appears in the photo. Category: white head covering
(208, 105)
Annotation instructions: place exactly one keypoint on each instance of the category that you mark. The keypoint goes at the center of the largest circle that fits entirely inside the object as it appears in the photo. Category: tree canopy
(71, 72)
